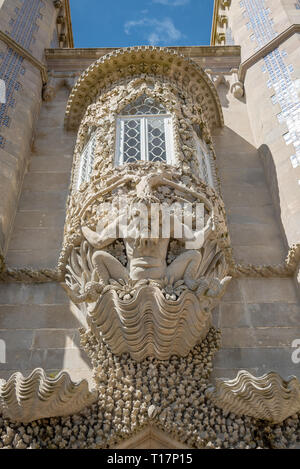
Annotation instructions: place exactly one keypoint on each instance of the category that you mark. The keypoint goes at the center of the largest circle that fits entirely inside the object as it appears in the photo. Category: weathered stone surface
(135, 307)
(268, 397)
(37, 397)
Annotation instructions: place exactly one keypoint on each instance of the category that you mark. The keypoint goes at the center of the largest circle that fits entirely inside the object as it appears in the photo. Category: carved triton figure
(147, 256)
(149, 307)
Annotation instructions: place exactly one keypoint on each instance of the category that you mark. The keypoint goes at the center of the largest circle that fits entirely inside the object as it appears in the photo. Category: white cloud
(159, 31)
(172, 3)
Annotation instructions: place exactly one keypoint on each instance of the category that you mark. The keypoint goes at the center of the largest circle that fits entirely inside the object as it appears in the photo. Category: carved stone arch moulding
(159, 62)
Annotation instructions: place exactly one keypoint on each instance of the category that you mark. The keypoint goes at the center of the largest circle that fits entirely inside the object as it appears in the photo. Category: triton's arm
(189, 235)
(100, 240)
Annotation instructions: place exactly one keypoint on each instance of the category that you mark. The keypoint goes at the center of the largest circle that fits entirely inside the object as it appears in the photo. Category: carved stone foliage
(36, 397)
(142, 61)
(268, 397)
(145, 295)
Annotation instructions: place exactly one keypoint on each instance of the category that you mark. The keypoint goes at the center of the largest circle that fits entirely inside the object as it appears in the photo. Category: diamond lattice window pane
(86, 162)
(143, 106)
(144, 133)
(156, 139)
(132, 141)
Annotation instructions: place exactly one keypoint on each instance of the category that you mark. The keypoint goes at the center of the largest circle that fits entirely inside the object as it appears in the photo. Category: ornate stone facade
(132, 311)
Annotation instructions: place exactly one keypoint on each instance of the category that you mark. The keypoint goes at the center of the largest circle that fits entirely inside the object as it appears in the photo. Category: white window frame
(204, 158)
(144, 142)
(89, 150)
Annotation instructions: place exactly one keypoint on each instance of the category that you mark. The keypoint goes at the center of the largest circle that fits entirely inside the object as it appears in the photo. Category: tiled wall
(22, 27)
(286, 89)
(259, 20)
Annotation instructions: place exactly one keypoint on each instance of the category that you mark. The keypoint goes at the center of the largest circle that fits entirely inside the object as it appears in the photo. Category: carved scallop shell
(150, 325)
(268, 397)
(36, 397)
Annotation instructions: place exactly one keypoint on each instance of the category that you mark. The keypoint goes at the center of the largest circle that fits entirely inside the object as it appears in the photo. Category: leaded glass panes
(144, 133)
(131, 140)
(86, 161)
(156, 139)
(144, 105)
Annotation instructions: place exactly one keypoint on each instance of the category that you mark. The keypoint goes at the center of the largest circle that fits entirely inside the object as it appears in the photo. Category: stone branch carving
(37, 397)
(268, 397)
(29, 275)
(156, 295)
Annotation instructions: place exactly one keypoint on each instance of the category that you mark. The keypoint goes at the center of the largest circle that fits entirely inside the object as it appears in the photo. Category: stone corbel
(225, 3)
(222, 21)
(61, 26)
(56, 82)
(60, 19)
(217, 78)
(237, 88)
(62, 39)
(58, 4)
(221, 39)
(174, 300)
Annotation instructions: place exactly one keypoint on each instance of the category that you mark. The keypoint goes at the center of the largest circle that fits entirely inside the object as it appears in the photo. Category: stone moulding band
(287, 269)
(269, 47)
(24, 53)
(29, 276)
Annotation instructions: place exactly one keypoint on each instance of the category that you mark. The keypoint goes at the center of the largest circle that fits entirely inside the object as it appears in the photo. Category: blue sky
(124, 23)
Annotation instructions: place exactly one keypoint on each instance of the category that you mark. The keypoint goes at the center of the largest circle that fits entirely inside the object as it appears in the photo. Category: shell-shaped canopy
(146, 60)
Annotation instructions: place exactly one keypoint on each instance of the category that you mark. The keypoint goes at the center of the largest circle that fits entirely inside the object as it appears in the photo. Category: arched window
(205, 163)
(86, 159)
(144, 133)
